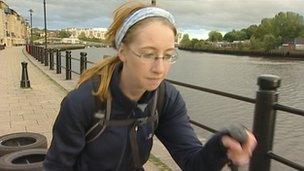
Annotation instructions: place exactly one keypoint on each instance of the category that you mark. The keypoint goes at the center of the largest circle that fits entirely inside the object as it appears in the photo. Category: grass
(156, 161)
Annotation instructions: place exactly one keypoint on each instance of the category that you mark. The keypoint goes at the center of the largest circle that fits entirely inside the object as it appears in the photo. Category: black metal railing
(266, 106)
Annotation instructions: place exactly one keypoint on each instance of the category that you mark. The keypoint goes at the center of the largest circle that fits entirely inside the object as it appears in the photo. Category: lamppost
(31, 20)
(153, 2)
(45, 36)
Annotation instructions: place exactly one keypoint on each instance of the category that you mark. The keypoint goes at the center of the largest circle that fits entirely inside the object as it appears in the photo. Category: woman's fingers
(237, 153)
(250, 144)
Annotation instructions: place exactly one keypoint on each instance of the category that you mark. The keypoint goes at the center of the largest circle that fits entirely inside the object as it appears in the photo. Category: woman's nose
(158, 66)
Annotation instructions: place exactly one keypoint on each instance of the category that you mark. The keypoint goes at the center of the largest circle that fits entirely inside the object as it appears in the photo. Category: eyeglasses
(150, 57)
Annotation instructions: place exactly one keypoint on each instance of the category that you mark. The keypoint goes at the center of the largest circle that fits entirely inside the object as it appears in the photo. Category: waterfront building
(13, 27)
(299, 43)
(71, 40)
(88, 32)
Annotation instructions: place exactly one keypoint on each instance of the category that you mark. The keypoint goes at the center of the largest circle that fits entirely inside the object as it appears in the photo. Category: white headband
(138, 16)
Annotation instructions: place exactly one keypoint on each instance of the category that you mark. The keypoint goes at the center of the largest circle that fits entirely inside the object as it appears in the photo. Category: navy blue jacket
(111, 150)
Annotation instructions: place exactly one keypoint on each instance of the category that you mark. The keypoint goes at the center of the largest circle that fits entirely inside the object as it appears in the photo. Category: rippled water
(238, 75)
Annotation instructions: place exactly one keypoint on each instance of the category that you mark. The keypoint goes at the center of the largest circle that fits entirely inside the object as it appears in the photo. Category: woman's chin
(152, 87)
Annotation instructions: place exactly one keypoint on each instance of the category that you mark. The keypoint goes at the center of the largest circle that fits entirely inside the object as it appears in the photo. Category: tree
(185, 42)
(251, 30)
(235, 35)
(270, 42)
(256, 44)
(230, 36)
(266, 27)
(82, 36)
(199, 44)
(288, 25)
(64, 34)
(215, 36)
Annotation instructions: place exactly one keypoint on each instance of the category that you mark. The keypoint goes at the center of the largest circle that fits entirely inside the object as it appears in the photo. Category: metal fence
(266, 106)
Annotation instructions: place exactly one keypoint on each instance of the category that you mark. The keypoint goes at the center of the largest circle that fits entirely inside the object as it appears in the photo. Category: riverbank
(63, 47)
(270, 54)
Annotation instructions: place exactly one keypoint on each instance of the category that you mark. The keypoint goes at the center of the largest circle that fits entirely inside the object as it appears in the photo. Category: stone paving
(36, 108)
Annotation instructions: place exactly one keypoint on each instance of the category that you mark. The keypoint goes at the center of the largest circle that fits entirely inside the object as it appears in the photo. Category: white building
(89, 32)
(71, 40)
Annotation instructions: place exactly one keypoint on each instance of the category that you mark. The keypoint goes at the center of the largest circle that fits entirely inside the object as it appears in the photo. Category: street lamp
(45, 36)
(31, 40)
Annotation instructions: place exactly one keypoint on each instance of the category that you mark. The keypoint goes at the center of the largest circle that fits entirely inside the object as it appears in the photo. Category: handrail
(221, 93)
(289, 109)
(284, 161)
(203, 126)
(264, 83)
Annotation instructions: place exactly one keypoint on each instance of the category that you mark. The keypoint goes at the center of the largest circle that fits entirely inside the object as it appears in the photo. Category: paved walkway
(35, 109)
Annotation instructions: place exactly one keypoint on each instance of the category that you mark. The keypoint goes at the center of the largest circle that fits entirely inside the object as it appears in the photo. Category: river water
(238, 75)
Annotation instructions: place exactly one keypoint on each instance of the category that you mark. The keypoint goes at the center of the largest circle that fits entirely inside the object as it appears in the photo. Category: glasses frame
(156, 58)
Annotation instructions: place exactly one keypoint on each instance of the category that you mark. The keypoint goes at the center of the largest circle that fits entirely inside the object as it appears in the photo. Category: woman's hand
(237, 153)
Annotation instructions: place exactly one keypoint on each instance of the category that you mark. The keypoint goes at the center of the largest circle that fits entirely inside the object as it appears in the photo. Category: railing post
(68, 73)
(39, 53)
(264, 121)
(58, 62)
(83, 62)
(46, 60)
(51, 59)
(42, 56)
(35, 52)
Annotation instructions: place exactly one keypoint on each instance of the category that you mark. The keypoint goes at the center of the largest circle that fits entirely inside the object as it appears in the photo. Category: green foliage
(82, 36)
(256, 44)
(64, 34)
(35, 36)
(235, 35)
(268, 35)
(199, 44)
(191, 44)
(272, 32)
(215, 36)
(288, 25)
(251, 30)
(185, 42)
(270, 42)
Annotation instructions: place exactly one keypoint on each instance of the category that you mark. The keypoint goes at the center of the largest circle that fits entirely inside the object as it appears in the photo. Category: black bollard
(58, 62)
(68, 70)
(51, 59)
(83, 62)
(25, 82)
(46, 59)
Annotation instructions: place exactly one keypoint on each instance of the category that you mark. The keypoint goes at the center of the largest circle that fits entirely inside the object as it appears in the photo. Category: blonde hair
(105, 68)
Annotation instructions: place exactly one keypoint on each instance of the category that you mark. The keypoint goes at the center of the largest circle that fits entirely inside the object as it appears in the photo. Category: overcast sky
(196, 17)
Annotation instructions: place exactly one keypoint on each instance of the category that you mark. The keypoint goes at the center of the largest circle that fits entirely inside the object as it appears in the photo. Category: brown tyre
(24, 160)
(21, 141)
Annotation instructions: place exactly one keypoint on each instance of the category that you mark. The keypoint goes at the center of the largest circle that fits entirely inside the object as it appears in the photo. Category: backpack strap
(100, 120)
(160, 102)
(100, 110)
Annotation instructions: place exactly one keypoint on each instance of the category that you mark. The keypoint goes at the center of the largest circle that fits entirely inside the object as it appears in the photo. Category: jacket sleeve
(68, 136)
(175, 132)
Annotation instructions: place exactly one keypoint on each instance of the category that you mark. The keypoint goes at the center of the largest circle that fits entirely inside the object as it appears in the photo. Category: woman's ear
(122, 53)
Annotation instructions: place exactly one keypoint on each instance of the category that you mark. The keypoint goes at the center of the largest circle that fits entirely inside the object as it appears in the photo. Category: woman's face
(154, 38)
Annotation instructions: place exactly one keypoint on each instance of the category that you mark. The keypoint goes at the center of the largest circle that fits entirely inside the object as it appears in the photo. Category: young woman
(127, 87)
